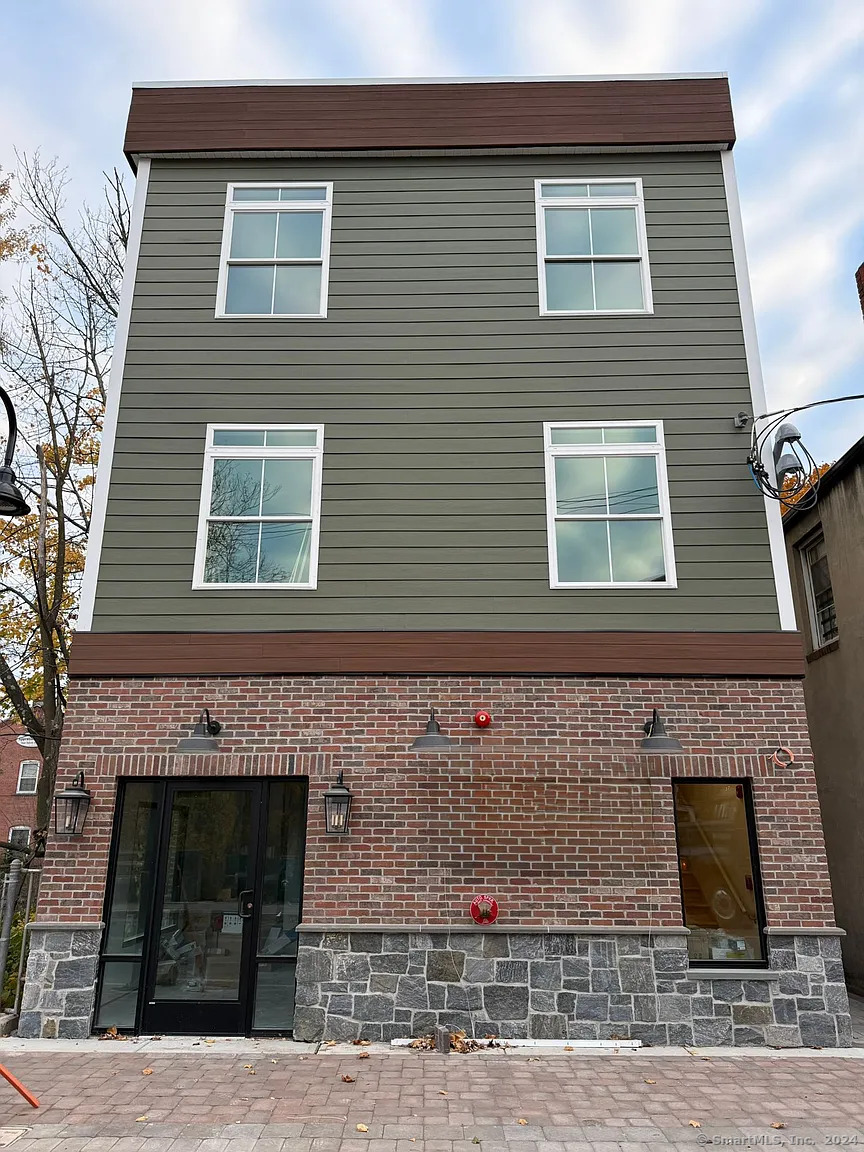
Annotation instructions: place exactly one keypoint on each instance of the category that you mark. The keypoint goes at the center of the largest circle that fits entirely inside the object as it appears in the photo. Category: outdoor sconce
(433, 737)
(337, 807)
(656, 739)
(202, 736)
(71, 807)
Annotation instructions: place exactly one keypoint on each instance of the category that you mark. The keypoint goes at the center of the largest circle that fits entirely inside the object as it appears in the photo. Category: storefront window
(719, 871)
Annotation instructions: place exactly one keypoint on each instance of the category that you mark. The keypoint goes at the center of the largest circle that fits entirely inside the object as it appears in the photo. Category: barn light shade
(12, 503)
(337, 807)
(433, 737)
(202, 736)
(71, 806)
(656, 738)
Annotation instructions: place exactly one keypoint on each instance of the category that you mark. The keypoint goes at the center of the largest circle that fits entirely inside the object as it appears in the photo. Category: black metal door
(199, 962)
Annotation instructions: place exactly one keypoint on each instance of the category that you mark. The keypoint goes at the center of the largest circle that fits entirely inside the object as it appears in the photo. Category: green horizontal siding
(432, 375)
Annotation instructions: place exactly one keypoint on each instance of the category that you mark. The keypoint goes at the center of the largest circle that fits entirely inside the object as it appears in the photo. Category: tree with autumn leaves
(56, 337)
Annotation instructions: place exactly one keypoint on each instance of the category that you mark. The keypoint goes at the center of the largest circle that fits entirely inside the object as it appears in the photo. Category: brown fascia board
(625, 113)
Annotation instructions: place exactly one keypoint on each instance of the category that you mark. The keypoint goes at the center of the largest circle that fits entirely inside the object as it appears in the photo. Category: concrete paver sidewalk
(285, 1100)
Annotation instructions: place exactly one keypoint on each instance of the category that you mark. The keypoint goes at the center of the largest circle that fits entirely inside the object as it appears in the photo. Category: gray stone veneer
(384, 986)
(60, 981)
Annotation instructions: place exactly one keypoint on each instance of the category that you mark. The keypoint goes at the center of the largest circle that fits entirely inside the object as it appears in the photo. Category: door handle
(247, 903)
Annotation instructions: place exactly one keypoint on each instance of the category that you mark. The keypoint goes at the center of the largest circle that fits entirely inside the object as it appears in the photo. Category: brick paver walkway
(422, 1102)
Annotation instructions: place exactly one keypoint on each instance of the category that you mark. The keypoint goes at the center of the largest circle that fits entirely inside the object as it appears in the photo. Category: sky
(796, 69)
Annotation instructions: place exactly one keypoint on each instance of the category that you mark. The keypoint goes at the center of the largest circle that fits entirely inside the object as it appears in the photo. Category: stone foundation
(390, 985)
(60, 981)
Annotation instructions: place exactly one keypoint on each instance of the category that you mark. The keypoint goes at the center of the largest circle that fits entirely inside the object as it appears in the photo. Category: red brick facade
(552, 808)
(16, 811)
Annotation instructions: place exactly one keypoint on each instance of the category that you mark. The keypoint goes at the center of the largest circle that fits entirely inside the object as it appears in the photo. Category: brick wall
(553, 808)
(15, 811)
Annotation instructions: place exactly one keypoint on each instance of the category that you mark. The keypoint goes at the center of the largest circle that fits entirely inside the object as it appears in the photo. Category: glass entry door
(202, 931)
(202, 912)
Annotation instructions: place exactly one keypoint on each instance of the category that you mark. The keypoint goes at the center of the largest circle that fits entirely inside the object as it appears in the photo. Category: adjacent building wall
(833, 692)
(433, 373)
(16, 811)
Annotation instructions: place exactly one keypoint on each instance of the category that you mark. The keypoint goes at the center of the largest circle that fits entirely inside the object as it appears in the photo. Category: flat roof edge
(347, 81)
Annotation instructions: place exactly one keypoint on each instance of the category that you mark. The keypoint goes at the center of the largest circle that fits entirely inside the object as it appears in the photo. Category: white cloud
(201, 40)
(393, 38)
(625, 36)
(800, 63)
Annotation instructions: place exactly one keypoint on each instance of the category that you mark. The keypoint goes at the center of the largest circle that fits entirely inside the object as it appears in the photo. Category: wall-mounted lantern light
(433, 737)
(71, 806)
(337, 807)
(656, 738)
(201, 739)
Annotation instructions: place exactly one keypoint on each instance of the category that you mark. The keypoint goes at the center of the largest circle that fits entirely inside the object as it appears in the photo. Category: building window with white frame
(607, 502)
(28, 777)
(592, 247)
(820, 594)
(275, 251)
(19, 836)
(260, 507)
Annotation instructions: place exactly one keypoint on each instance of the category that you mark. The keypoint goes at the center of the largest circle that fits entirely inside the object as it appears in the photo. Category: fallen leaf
(209, 1041)
(140, 1119)
(361, 1042)
(362, 1127)
(146, 1071)
(521, 1120)
(363, 1056)
(272, 1061)
(778, 1124)
(304, 1057)
(569, 1048)
(330, 1044)
(248, 1065)
(695, 1124)
(650, 1081)
(533, 1059)
(475, 1140)
(155, 1037)
(348, 1079)
(441, 1092)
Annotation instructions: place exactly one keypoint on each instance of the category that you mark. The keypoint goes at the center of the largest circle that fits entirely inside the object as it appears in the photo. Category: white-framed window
(28, 776)
(19, 836)
(275, 257)
(260, 511)
(820, 594)
(607, 505)
(592, 248)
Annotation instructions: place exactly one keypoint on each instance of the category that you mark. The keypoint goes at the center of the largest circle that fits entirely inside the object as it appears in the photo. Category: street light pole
(12, 503)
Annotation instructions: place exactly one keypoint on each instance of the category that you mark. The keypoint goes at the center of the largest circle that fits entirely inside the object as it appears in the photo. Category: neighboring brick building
(427, 400)
(20, 764)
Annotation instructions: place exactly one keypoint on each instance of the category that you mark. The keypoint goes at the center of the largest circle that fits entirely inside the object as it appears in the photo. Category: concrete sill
(732, 974)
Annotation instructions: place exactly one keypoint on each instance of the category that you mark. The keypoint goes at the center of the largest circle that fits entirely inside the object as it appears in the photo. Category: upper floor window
(607, 505)
(592, 247)
(820, 594)
(19, 836)
(28, 776)
(275, 250)
(260, 507)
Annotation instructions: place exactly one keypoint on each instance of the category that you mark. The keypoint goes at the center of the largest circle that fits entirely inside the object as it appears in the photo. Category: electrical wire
(804, 493)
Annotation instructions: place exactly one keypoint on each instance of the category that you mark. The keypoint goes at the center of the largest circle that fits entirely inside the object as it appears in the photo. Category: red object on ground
(482, 719)
(18, 1086)
(484, 909)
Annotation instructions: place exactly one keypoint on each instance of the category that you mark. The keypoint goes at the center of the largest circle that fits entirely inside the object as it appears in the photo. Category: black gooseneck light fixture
(202, 738)
(656, 738)
(12, 503)
(433, 737)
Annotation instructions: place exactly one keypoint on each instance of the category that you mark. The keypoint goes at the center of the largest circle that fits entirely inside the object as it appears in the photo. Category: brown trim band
(750, 654)
(492, 114)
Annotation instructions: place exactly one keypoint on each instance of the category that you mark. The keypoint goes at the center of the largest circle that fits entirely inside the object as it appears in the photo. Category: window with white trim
(19, 836)
(820, 594)
(607, 504)
(592, 248)
(28, 776)
(275, 251)
(260, 507)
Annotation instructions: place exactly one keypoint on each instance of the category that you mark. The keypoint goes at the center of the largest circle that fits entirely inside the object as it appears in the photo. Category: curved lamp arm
(13, 428)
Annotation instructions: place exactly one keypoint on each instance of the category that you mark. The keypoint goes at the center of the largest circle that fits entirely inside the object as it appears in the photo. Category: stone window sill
(733, 974)
(818, 653)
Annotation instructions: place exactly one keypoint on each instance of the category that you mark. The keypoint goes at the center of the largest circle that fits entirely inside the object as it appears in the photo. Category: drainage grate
(10, 1135)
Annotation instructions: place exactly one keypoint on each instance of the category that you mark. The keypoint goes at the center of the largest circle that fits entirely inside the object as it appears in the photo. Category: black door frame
(166, 788)
(191, 1017)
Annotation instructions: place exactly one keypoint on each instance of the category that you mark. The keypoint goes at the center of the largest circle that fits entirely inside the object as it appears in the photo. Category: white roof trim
(309, 82)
